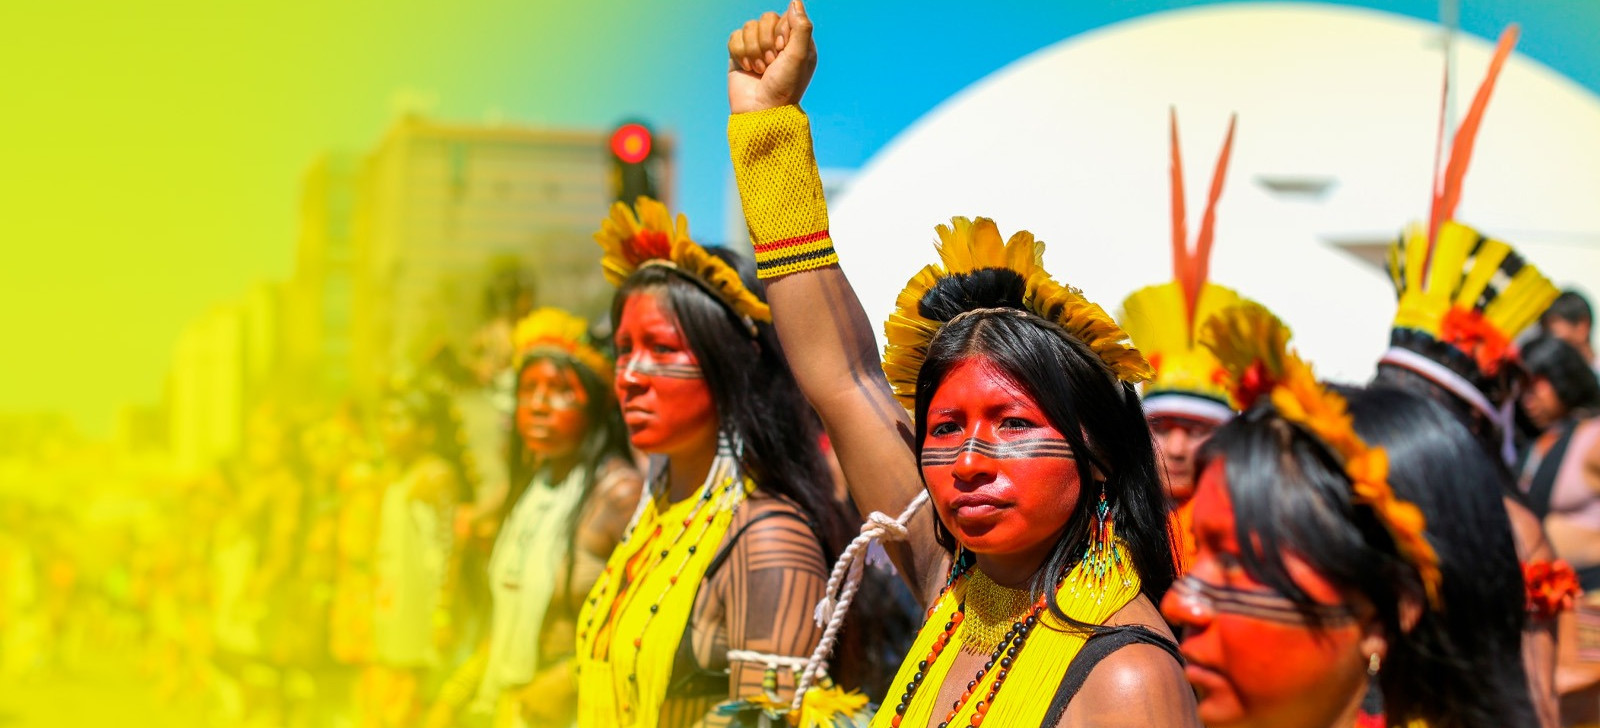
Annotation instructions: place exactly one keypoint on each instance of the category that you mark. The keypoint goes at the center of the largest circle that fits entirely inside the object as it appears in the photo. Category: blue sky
(883, 65)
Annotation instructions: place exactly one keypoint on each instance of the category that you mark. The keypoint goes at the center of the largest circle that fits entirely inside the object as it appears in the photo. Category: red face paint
(1001, 477)
(550, 409)
(665, 401)
(1248, 659)
(1178, 439)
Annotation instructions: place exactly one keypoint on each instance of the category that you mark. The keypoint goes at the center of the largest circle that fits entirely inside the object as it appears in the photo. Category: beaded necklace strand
(715, 498)
(1004, 654)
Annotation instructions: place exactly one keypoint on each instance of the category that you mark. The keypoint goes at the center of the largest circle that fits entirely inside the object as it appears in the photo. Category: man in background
(1570, 319)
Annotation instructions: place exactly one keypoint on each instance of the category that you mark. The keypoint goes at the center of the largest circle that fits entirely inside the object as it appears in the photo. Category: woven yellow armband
(780, 190)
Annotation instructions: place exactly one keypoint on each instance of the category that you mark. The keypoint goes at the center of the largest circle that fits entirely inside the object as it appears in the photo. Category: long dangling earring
(1101, 554)
(958, 565)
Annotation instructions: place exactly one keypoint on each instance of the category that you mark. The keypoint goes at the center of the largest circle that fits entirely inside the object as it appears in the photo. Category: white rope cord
(791, 662)
(844, 581)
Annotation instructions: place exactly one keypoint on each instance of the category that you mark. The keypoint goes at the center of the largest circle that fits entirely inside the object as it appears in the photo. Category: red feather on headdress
(1447, 189)
(1191, 268)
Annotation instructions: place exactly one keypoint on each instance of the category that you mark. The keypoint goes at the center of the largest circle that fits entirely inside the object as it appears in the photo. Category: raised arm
(825, 333)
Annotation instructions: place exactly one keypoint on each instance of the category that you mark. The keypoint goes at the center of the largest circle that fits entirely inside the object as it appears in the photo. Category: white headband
(1177, 404)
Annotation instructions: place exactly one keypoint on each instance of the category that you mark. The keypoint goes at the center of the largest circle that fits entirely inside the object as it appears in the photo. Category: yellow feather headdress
(1163, 320)
(546, 331)
(1253, 346)
(966, 246)
(645, 234)
(1456, 286)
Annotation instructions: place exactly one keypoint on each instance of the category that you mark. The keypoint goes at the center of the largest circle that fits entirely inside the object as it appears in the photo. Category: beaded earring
(1101, 556)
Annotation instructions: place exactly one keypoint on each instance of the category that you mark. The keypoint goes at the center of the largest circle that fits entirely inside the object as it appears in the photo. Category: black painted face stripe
(668, 371)
(1259, 605)
(1014, 450)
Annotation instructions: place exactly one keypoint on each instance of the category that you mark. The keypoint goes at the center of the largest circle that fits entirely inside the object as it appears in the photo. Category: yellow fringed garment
(626, 651)
(1037, 670)
(781, 191)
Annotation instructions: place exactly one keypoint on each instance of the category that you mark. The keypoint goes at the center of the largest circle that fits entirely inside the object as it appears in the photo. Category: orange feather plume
(1180, 225)
(1192, 267)
(1447, 190)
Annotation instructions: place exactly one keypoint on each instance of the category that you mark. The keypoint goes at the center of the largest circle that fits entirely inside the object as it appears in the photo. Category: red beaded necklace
(1004, 655)
(716, 496)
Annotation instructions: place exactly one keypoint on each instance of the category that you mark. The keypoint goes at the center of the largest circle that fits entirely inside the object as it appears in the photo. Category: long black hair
(1484, 431)
(1457, 666)
(1569, 375)
(756, 397)
(1099, 416)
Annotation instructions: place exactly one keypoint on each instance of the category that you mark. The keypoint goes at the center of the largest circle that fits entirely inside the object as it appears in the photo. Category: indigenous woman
(1184, 400)
(1463, 299)
(411, 612)
(578, 490)
(709, 598)
(1008, 399)
(1340, 554)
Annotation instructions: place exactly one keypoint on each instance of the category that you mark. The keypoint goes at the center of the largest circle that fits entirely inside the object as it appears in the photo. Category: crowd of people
(722, 505)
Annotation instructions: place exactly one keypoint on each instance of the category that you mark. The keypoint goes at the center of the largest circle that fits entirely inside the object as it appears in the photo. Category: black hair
(755, 394)
(1460, 665)
(1099, 416)
(605, 439)
(1563, 366)
(1570, 307)
(1480, 428)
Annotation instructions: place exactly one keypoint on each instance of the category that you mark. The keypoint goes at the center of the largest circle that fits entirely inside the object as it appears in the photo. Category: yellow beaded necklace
(991, 610)
(1089, 593)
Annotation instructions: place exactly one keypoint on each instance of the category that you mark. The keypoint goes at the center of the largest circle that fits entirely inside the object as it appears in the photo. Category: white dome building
(1337, 108)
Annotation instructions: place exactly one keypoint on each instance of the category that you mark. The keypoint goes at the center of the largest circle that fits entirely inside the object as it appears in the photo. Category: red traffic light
(631, 143)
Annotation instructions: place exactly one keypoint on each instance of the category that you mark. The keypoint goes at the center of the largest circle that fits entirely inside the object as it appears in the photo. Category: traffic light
(632, 151)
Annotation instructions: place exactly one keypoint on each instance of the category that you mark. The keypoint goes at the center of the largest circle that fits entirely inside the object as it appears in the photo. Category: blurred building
(225, 362)
(442, 207)
(322, 294)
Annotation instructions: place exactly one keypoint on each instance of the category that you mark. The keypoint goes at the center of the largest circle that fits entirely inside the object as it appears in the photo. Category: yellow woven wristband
(780, 191)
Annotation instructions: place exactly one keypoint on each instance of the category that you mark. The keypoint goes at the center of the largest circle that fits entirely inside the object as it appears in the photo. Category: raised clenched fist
(770, 60)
